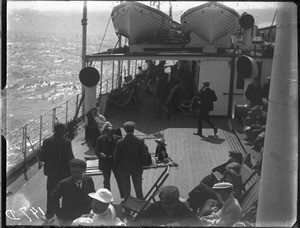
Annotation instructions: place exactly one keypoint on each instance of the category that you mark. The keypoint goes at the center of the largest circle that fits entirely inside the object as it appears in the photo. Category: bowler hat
(75, 162)
(129, 126)
(103, 195)
(222, 185)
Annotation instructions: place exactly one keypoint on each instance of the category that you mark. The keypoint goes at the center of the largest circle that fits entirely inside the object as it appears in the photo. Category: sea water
(42, 73)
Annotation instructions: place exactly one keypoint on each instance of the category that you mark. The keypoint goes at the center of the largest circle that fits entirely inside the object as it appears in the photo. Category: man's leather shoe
(216, 131)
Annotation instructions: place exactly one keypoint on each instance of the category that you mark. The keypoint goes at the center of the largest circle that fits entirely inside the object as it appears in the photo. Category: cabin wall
(217, 70)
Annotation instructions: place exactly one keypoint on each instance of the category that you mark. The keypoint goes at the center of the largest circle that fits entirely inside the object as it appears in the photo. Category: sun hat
(222, 185)
(103, 195)
(161, 141)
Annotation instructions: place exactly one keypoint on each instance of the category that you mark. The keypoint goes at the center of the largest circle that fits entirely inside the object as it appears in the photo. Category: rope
(104, 34)
(103, 37)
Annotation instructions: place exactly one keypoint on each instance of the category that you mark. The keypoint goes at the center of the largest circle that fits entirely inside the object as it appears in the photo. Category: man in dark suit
(130, 153)
(74, 192)
(254, 93)
(56, 153)
(206, 96)
(104, 150)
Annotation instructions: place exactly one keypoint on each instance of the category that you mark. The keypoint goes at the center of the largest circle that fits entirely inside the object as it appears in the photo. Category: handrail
(19, 149)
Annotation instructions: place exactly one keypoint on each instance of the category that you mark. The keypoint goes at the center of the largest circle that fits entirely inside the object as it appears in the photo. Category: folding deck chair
(135, 206)
(186, 107)
(250, 197)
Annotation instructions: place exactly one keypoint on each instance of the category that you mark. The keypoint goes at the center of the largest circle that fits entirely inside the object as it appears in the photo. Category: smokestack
(277, 204)
(247, 22)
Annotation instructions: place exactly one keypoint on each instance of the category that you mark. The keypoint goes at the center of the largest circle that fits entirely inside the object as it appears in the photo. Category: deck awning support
(277, 204)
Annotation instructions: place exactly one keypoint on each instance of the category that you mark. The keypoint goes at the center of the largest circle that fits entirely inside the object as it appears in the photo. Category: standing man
(56, 153)
(74, 192)
(130, 153)
(206, 96)
(254, 93)
(105, 148)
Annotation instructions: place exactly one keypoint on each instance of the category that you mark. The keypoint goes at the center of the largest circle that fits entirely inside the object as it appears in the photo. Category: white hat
(222, 185)
(103, 195)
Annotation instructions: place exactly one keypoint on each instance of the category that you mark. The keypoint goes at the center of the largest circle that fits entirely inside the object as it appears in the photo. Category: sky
(108, 5)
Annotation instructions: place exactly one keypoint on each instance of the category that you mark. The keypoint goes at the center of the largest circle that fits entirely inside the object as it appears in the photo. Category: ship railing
(24, 143)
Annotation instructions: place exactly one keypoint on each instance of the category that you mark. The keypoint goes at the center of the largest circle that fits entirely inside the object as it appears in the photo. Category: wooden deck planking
(195, 156)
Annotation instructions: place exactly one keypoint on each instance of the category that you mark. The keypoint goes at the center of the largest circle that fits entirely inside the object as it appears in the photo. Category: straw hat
(103, 195)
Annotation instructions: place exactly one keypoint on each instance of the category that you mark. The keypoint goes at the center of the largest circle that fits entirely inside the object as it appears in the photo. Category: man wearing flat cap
(102, 213)
(205, 98)
(129, 156)
(74, 192)
(168, 211)
(231, 211)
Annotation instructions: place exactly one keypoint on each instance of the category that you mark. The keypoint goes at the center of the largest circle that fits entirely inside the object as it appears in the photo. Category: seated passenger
(201, 193)
(161, 151)
(102, 213)
(169, 210)
(217, 172)
(73, 192)
(232, 175)
(231, 211)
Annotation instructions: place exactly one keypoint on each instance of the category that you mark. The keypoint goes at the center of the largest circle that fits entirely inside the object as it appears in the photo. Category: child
(161, 151)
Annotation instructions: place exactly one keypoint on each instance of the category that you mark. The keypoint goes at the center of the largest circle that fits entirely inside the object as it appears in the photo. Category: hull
(210, 21)
(138, 22)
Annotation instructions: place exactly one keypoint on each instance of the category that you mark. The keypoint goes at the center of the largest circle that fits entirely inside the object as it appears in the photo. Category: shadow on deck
(195, 156)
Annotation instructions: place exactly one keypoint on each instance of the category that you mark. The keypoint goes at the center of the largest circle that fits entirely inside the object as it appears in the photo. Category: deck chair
(245, 172)
(251, 180)
(250, 197)
(135, 206)
(186, 107)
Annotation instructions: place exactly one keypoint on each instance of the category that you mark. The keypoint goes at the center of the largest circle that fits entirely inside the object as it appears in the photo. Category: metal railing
(22, 142)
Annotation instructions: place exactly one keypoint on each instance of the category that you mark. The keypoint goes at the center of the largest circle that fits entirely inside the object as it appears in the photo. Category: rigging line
(103, 36)
(272, 24)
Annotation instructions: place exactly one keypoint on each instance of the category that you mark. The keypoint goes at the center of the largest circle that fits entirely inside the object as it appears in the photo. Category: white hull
(210, 21)
(138, 22)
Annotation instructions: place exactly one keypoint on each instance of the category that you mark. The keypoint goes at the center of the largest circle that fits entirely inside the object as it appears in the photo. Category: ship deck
(195, 156)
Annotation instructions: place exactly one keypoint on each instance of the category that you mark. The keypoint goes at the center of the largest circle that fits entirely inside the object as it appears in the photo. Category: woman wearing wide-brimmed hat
(161, 151)
(102, 213)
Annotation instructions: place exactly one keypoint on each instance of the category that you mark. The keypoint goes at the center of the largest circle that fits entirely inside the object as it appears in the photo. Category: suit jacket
(56, 153)
(74, 204)
(254, 94)
(206, 97)
(130, 154)
(105, 146)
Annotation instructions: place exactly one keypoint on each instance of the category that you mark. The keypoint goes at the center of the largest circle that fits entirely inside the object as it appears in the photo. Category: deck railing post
(53, 118)
(101, 76)
(24, 151)
(41, 128)
(77, 100)
(67, 105)
(113, 75)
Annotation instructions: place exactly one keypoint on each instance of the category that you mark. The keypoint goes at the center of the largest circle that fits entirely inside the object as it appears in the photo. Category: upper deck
(195, 156)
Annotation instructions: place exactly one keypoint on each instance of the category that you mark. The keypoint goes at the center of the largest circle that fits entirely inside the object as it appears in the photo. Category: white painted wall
(217, 71)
